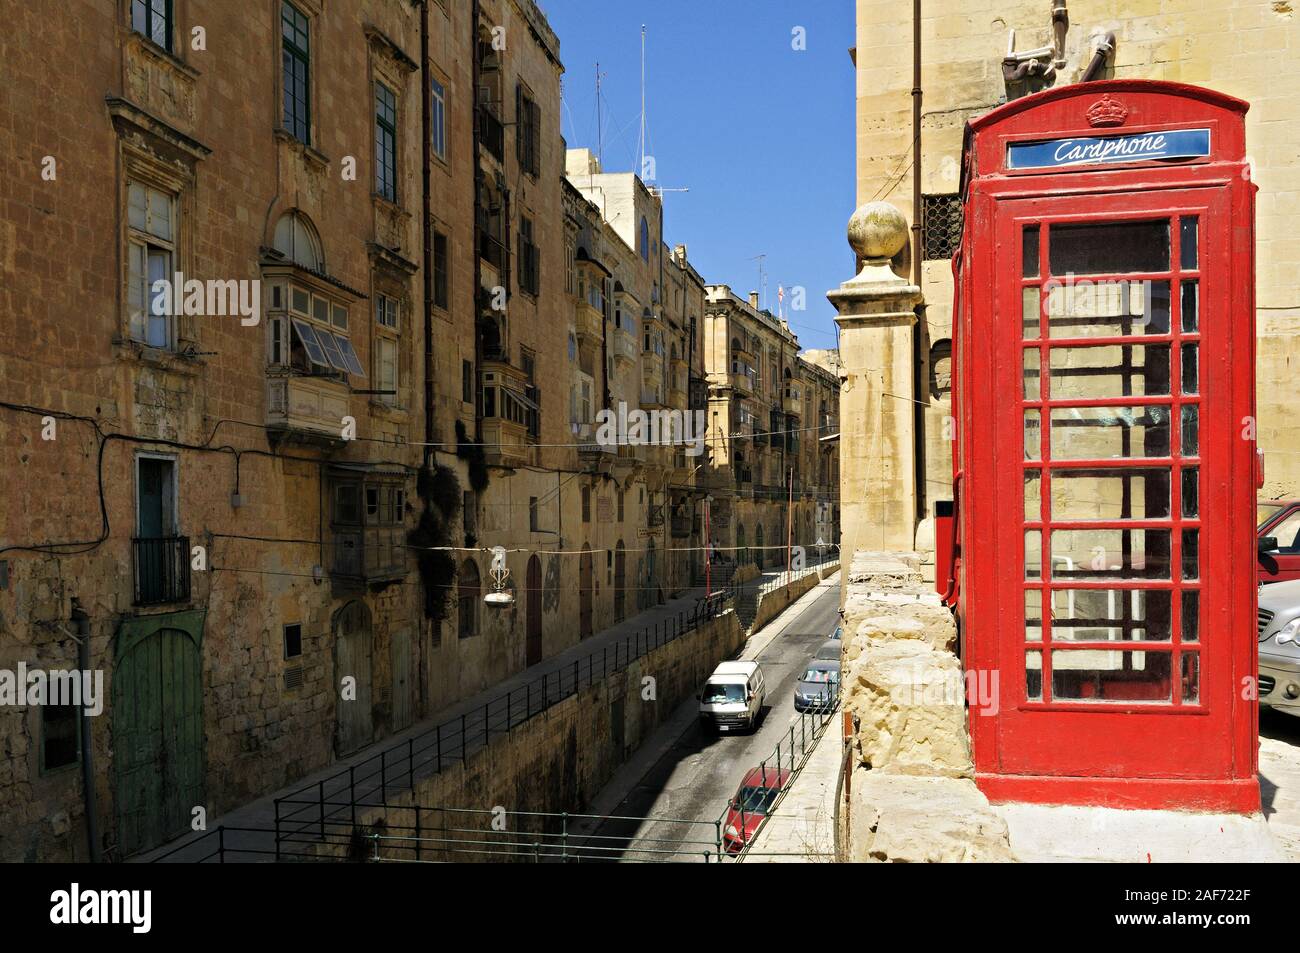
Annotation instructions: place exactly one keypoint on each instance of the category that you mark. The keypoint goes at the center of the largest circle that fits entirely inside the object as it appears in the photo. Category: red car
(757, 793)
(1279, 520)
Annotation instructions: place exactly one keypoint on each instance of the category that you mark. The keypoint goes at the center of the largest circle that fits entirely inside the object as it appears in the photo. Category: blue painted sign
(1098, 150)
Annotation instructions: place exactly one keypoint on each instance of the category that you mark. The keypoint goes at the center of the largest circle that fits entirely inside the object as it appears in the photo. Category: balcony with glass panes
(311, 360)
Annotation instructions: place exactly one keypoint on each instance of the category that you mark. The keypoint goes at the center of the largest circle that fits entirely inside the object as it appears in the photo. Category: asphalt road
(697, 776)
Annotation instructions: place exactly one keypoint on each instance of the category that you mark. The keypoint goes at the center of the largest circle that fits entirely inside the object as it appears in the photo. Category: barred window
(941, 223)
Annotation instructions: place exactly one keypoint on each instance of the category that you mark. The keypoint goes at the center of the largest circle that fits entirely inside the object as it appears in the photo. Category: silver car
(1279, 646)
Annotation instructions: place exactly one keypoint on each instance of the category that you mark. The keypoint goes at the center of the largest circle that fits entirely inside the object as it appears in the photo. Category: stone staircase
(720, 577)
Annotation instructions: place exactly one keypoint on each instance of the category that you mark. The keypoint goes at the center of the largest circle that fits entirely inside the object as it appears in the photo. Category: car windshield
(756, 800)
(1265, 512)
(718, 692)
(820, 675)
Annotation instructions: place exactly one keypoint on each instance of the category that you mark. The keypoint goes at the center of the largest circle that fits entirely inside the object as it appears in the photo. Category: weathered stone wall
(913, 797)
(1245, 49)
(772, 603)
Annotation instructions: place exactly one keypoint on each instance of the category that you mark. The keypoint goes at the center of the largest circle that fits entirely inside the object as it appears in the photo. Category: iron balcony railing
(161, 567)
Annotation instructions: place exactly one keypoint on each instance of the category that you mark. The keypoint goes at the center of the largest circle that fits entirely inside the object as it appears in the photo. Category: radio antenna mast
(640, 169)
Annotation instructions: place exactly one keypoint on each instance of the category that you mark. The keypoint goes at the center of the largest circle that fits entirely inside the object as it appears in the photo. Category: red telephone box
(1104, 339)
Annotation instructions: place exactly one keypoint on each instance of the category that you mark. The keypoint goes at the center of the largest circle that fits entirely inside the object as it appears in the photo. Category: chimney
(753, 300)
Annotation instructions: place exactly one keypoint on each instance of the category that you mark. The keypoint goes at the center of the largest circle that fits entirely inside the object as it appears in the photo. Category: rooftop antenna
(762, 279)
(600, 134)
(640, 169)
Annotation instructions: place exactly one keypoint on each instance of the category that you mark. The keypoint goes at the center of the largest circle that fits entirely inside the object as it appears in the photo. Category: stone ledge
(908, 702)
(901, 819)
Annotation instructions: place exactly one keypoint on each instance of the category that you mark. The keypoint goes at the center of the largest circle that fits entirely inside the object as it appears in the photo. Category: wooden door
(401, 668)
(620, 582)
(354, 725)
(584, 595)
(158, 738)
(533, 588)
(1112, 329)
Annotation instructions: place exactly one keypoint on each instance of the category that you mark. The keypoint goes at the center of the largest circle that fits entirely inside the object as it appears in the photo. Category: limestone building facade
(769, 412)
(1243, 50)
(262, 508)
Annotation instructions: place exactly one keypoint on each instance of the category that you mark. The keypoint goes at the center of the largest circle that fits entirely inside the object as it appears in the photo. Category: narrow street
(687, 789)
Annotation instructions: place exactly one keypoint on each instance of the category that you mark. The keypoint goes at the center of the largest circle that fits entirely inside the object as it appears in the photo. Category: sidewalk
(257, 818)
(801, 829)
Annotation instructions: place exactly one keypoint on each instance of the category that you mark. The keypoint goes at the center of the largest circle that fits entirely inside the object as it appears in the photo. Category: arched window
(645, 239)
(296, 239)
(467, 598)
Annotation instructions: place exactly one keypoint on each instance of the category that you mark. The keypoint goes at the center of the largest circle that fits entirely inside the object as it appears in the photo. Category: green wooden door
(158, 737)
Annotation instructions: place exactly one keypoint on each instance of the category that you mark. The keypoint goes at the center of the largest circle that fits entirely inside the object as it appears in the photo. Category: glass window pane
(1099, 675)
(1191, 369)
(1109, 248)
(1188, 240)
(137, 206)
(1191, 320)
(1034, 676)
(1033, 496)
(1100, 554)
(160, 214)
(1191, 678)
(1116, 370)
(1031, 310)
(1109, 433)
(1033, 434)
(1191, 615)
(1029, 251)
(1033, 370)
(1111, 615)
(1110, 494)
(1191, 554)
(1107, 308)
(1191, 436)
(307, 335)
(1033, 554)
(349, 355)
(1034, 615)
(1191, 505)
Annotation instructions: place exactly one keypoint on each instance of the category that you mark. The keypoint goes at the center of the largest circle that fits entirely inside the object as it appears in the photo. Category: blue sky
(761, 134)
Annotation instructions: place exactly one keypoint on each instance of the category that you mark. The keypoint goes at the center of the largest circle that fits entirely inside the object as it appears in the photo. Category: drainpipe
(426, 155)
(475, 251)
(82, 623)
(918, 408)
(426, 148)
(1105, 46)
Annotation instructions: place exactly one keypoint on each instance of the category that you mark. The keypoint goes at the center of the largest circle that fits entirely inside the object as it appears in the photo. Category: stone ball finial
(877, 231)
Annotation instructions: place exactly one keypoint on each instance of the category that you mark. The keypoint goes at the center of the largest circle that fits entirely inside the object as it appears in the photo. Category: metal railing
(161, 568)
(789, 756)
(416, 833)
(369, 782)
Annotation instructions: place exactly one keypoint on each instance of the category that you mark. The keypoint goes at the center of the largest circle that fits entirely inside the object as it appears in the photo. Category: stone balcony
(306, 409)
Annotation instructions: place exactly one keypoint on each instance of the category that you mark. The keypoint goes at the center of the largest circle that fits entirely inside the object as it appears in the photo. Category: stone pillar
(877, 423)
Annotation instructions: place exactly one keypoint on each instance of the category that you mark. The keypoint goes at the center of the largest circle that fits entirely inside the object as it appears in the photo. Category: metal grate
(1265, 619)
(941, 222)
(293, 677)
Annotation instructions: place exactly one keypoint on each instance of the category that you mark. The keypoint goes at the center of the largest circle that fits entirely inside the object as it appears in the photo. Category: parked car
(753, 802)
(1279, 540)
(733, 696)
(818, 687)
(829, 651)
(1279, 646)
(838, 633)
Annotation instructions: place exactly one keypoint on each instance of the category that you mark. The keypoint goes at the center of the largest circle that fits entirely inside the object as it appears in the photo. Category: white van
(733, 696)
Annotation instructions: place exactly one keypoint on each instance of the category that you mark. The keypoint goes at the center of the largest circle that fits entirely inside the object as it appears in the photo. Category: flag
(780, 301)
